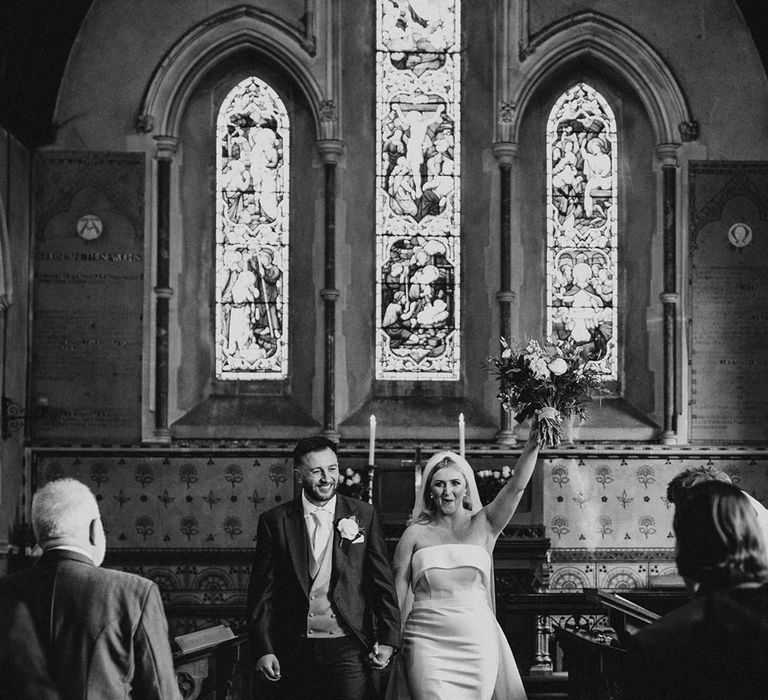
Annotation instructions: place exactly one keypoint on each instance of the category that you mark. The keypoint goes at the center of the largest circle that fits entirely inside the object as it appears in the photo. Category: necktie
(320, 534)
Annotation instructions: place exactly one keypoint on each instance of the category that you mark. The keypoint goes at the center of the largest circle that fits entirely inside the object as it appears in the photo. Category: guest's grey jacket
(87, 633)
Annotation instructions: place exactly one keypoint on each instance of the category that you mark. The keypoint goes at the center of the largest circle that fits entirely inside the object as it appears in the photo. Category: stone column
(505, 152)
(166, 150)
(667, 154)
(330, 150)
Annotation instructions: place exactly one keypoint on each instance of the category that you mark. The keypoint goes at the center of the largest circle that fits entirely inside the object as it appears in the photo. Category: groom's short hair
(313, 443)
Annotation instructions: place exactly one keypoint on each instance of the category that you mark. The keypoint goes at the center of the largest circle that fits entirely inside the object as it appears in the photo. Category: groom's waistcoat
(322, 621)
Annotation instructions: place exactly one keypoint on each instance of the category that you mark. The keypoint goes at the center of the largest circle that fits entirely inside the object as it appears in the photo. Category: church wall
(355, 264)
(109, 69)
(15, 196)
(711, 55)
(106, 122)
(608, 517)
(709, 50)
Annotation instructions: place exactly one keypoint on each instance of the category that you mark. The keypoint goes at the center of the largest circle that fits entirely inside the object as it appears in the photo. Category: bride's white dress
(452, 646)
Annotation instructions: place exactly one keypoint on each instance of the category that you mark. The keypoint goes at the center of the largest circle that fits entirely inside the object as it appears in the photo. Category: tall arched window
(418, 252)
(252, 148)
(582, 225)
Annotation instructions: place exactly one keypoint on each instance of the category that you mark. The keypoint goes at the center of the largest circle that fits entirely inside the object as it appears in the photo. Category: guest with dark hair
(716, 646)
(680, 486)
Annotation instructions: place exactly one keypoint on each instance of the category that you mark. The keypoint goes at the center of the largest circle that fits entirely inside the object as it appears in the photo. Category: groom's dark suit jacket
(362, 587)
(70, 629)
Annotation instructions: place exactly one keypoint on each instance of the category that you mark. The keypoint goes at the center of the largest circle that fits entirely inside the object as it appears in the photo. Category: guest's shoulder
(121, 580)
(673, 625)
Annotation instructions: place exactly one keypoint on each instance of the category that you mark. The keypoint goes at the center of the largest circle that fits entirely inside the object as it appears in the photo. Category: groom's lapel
(340, 546)
(296, 535)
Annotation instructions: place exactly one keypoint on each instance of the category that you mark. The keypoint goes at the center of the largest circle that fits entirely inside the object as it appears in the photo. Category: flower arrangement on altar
(491, 481)
(354, 483)
(552, 382)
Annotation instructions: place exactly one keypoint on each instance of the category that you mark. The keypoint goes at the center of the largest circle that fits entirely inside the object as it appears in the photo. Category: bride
(452, 647)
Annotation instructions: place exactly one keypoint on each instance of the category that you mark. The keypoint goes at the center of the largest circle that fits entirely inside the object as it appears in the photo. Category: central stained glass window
(252, 139)
(418, 241)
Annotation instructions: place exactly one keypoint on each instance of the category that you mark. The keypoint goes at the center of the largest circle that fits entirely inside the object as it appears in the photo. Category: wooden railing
(552, 634)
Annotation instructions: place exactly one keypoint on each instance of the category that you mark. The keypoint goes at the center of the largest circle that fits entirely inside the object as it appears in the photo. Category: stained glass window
(582, 225)
(418, 160)
(252, 139)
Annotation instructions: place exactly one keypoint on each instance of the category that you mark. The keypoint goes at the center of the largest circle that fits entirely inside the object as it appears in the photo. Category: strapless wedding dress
(452, 646)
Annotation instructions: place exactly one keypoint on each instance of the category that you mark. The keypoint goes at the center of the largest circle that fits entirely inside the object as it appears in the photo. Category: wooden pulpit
(594, 659)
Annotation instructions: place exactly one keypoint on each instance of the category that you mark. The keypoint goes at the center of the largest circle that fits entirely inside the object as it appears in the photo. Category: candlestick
(461, 434)
(372, 440)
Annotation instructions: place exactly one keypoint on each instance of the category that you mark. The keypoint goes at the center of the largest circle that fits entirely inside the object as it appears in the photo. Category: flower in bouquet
(550, 382)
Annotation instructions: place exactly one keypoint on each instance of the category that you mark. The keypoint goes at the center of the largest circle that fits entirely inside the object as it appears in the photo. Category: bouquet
(551, 382)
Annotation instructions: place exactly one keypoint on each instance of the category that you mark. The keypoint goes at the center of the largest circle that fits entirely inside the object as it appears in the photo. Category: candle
(461, 434)
(372, 440)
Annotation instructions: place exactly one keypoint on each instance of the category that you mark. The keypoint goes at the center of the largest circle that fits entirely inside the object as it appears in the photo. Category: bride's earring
(466, 501)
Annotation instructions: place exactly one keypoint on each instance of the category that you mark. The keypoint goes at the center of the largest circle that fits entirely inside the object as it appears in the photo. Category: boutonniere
(349, 529)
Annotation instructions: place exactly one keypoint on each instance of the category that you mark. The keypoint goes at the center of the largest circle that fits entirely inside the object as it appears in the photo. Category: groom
(322, 607)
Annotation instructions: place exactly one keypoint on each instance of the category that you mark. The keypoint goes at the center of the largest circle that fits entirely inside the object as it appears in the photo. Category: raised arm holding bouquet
(552, 382)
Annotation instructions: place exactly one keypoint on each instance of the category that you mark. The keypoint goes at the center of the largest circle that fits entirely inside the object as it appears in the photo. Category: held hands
(380, 656)
(269, 667)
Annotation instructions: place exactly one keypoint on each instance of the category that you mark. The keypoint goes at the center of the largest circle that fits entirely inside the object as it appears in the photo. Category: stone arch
(589, 34)
(213, 41)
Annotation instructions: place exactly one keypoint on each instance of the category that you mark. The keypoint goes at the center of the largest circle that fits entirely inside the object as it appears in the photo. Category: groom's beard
(320, 492)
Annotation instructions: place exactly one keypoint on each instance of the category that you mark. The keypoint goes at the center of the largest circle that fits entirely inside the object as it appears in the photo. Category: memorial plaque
(729, 302)
(88, 297)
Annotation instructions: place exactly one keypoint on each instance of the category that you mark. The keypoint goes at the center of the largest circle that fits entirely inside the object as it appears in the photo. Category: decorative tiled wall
(608, 518)
(187, 521)
(151, 499)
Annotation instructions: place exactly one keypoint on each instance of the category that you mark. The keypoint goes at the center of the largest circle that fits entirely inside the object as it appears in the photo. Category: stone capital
(330, 150)
(505, 152)
(166, 146)
(667, 154)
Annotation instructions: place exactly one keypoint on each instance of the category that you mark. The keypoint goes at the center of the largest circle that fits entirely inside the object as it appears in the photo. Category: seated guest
(679, 487)
(69, 629)
(716, 646)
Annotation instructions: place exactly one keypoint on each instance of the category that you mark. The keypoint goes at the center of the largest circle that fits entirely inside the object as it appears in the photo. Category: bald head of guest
(65, 515)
